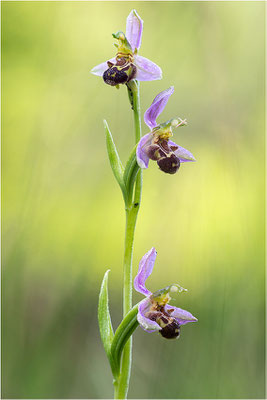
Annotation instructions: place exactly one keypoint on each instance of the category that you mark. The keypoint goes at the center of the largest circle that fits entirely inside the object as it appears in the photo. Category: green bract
(125, 177)
(114, 344)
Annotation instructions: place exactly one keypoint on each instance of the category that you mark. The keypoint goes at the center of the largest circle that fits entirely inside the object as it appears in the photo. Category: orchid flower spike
(156, 145)
(154, 312)
(127, 64)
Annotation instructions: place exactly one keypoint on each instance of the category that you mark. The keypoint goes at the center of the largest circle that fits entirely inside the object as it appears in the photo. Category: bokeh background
(63, 218)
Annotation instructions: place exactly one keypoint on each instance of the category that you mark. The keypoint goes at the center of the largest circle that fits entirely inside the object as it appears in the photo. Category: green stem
(121, 385)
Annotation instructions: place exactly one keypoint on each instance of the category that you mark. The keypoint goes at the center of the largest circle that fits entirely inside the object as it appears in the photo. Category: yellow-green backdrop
(63, 218)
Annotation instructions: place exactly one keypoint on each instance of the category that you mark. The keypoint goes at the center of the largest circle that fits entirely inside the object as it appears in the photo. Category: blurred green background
(63, 218)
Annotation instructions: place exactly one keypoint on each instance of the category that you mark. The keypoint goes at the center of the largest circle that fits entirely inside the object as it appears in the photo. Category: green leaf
(130, 173)
(104, 320)
(122, 334)
(114, 159)
(105, 325)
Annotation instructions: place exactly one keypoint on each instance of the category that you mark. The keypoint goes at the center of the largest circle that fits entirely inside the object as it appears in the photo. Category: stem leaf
(122, 334)
(114, 158)
(130, 173)
(104, 320)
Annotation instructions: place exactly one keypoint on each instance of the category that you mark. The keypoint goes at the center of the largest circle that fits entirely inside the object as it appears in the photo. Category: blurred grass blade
(122, 334)
(104, 320)
(114, 159)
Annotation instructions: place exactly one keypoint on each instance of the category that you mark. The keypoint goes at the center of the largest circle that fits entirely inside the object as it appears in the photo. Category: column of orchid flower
(153, 314)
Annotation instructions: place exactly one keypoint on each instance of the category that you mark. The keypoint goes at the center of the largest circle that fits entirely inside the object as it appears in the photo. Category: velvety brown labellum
(171, 330)
(170, 164)
(116, 75)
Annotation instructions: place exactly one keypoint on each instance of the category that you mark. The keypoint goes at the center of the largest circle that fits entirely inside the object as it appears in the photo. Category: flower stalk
(132, 208)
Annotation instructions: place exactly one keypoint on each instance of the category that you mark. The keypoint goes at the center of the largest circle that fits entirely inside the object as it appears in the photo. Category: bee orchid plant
(153, 313)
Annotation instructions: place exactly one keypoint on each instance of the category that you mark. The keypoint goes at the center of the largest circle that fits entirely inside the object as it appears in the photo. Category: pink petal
(101, 68)
(183, 154)
(157, 107)
(182, 316)
(146, 69)
(134, 29)
(146, 323)
(141, 156)
(145, 269)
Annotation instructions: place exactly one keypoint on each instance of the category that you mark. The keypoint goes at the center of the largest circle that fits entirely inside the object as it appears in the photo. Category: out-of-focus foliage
(63, 219)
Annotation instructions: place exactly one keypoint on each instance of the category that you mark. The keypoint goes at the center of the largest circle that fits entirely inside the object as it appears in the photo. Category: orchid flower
(156, 145)
(154, 312)
(127, 64)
